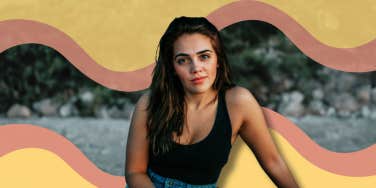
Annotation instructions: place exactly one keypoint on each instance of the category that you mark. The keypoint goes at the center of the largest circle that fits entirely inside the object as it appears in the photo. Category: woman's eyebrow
(180, 54)
(199, 52)
(204, 51)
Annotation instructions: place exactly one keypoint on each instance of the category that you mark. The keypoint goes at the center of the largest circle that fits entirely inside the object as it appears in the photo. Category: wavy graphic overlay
(20, 136)
(120, 35)
(307, 160)
(359, 163)
(35, 167)
(357, 59)
(15, 32)
(243, 171)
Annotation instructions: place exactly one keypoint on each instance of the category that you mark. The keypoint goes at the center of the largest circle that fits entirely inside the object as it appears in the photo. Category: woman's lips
(198, 80)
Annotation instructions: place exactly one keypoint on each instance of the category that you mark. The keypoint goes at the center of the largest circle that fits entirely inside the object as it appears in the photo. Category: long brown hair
(166, 107)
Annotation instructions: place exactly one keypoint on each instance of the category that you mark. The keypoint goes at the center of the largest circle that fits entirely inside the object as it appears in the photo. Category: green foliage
(32, 72)
(263, 57)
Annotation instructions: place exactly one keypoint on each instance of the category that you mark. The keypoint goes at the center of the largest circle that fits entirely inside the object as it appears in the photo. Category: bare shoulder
(139, 116)
(240, 104)
(143, 102)
(240, 96)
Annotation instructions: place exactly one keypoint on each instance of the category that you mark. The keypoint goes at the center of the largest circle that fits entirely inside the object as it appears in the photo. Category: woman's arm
(256, 135)
(137, 148)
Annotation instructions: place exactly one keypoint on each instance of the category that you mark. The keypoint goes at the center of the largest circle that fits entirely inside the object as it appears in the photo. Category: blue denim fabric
(163, 182)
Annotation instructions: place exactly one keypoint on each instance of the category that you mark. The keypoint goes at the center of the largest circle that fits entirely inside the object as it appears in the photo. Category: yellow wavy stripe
(243, 170)
(33, 167)
(338, 23)
(123, 35)
(119, 35)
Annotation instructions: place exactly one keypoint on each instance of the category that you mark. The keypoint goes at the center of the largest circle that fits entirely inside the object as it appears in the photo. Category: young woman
(182, 131)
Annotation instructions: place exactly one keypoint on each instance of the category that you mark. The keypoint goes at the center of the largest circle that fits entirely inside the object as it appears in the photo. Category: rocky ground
(103, 140)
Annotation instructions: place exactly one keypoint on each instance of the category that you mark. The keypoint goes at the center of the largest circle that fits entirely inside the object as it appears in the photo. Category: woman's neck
(199, 101)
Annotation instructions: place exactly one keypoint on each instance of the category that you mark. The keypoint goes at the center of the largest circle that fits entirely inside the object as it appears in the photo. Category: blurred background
(336, 109)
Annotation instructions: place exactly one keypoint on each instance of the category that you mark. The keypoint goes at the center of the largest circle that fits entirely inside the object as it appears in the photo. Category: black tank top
(201, 162)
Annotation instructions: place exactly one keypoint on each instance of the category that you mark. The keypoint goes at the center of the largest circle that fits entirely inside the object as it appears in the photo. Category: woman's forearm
(280, 174)
(138, 180)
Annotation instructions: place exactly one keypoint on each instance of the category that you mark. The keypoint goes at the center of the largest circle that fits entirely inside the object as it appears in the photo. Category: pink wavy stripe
(359, 163)
(15, 32)
(359, 59)
(18, 136)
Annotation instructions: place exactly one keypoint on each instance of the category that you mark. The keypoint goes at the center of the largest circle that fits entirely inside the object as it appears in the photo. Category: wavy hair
(166, 107)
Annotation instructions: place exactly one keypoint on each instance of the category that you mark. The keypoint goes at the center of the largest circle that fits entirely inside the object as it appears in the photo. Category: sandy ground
(103, 141)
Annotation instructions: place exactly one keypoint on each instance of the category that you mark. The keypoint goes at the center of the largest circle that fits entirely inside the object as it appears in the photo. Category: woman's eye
(205, 57)
(181, 61)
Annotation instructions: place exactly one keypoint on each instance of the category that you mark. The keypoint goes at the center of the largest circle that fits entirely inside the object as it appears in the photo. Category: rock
(345, 104)
(295, 110)
(296, 97)
(373, 96)
(114, 112)
(343, 113)
(331, 112)
(102, 112)
(292, 104)
(365, 111)
(87, 97)
(67, 110)
(363, 94)
(317, 107)
(340, 82)
(18, 111)
(345, 81)
(373, 115)
(287, 84)
(46, 107)
(318, 94)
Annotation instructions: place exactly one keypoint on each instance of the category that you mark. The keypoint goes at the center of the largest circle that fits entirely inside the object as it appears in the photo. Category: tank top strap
(221, 100)
(224, 123)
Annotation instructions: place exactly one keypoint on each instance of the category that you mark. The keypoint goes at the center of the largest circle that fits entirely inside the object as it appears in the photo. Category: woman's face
(195, 62)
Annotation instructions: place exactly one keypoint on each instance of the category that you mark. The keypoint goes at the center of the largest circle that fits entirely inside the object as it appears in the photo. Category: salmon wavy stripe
(19, 136)
(358, 163)
(357, 59)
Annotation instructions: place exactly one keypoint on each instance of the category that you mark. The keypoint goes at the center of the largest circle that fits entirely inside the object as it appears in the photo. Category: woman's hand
(138, 180)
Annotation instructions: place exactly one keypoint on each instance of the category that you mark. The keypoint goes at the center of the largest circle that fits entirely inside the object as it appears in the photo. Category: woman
(182, 131)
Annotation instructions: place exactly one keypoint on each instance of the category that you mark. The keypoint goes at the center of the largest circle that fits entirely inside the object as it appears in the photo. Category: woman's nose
(196, 66)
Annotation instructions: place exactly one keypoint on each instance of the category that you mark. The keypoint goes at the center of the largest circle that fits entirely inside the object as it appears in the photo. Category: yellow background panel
(244, 171)
(33, 167)
(342, 24)
(122, 35)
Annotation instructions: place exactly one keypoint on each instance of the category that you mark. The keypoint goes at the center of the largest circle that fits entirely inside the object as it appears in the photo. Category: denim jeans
(163, 182)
